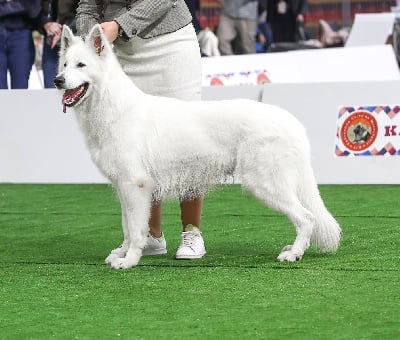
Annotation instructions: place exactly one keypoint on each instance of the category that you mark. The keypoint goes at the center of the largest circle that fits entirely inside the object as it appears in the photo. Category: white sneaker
(192, 245)
(155, 246)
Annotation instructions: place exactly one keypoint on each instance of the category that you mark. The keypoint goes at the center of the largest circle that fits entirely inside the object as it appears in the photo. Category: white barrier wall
(361, 63)
(371, 29)
(40, 144)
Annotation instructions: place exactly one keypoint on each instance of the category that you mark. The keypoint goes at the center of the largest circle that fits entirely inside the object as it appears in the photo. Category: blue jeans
(49, 64)
(17, 54)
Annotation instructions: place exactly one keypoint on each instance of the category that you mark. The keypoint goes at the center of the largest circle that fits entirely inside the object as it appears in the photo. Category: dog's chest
(101, 142)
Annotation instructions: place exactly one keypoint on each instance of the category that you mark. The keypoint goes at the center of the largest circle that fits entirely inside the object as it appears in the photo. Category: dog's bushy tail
(327, 232)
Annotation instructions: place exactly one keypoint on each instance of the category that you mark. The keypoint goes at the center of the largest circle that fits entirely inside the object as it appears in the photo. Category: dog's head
(80, 64)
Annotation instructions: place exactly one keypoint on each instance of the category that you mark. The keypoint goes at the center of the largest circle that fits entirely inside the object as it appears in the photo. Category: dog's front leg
(135, 199)
(123, 248)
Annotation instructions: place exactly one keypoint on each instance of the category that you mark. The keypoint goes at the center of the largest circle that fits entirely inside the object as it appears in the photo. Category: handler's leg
(155, 219)
(191, 212)
(155, 244)
(192, 243)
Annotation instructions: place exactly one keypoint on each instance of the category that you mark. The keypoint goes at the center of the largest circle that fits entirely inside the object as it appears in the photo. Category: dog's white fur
(151, 147)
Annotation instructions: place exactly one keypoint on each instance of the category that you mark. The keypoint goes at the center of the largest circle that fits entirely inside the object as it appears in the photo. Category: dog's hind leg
(287, 203)
(277, 189)
(135, 199)
(304, 222)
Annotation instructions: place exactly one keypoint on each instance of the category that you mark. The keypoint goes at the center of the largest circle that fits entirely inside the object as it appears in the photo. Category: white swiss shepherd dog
(152, 147)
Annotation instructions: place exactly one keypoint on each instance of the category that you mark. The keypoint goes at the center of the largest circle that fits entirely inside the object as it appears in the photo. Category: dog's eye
(81, 65)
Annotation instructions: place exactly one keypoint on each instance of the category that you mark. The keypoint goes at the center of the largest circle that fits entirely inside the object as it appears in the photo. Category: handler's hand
(52, 28)
(110, 30)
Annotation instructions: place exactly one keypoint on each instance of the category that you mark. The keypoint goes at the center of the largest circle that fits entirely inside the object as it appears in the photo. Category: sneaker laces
(188, 238)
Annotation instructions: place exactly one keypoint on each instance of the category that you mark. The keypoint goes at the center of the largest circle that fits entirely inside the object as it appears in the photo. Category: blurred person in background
(194, 8)
(285, 17)
(264, 33)
(238, 25)
(18, 19)
(54, 14)
(207, 39)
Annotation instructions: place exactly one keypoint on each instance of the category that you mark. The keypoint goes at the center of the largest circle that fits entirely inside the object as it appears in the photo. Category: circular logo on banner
(359, 131)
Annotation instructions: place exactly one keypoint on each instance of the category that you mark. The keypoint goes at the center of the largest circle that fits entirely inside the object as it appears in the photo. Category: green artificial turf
(53, 283)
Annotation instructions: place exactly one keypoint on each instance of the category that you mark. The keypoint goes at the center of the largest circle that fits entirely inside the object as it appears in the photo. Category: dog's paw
(110, 258)
(288, 254)
(122, 263)
(119, 263)
(119, 252)
(130, 260)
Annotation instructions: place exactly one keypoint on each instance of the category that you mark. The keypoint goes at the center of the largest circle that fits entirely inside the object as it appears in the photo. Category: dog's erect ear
(67, 38)
(98, 41)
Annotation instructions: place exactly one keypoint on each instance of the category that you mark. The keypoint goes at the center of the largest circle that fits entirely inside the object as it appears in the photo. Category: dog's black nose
(59, 81)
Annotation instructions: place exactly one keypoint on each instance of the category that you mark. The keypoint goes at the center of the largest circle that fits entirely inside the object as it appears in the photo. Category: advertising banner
(368, 131)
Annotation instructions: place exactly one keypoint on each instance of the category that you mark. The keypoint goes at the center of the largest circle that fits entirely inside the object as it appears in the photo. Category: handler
(156, 44)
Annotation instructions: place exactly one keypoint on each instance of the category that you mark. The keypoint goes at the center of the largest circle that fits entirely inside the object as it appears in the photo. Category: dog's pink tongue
(66, 99)
(64, 105)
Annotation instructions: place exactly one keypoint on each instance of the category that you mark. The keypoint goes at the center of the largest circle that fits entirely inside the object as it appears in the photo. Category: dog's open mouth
(73, 96)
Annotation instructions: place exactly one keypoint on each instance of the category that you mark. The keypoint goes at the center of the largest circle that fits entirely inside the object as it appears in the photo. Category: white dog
(152, 147)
